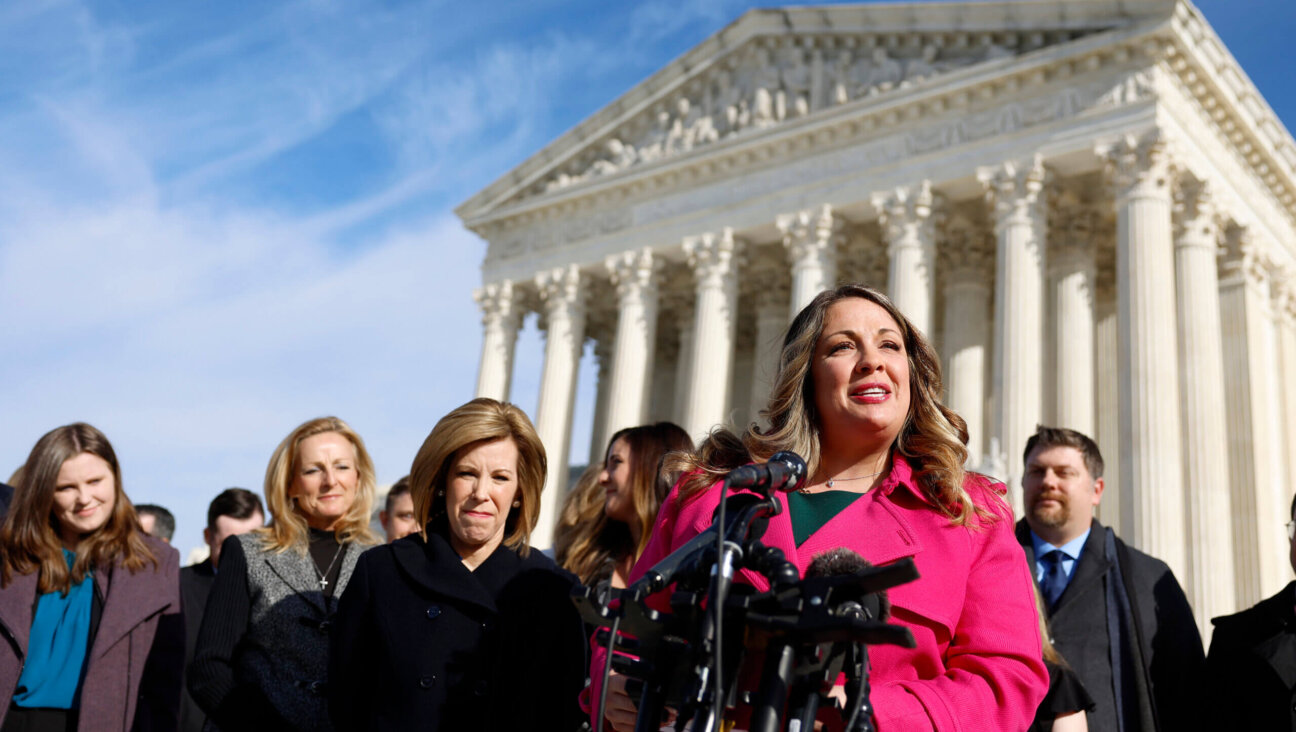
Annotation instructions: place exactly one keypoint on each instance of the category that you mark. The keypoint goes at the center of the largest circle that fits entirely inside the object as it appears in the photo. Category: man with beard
(1117, 615)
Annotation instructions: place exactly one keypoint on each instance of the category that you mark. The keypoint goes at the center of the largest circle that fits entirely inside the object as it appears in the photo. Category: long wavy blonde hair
(933, 438)
(288, 528)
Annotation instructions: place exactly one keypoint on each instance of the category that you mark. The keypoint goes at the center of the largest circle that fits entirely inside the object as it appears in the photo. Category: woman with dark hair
(261, 661)
(461, 626)
(858, 396)
(90, 604)
(634, 483)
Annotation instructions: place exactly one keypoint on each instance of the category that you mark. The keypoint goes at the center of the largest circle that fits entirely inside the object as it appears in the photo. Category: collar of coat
(129, 598)
(435, 566)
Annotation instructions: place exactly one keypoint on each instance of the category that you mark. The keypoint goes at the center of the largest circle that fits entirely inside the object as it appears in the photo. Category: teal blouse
(810, 512)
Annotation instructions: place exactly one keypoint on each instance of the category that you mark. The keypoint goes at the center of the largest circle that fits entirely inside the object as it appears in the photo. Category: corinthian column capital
(1138, 166)
(905, 214)
(714, 256)
(1196, 217)
(1013, 191)
(562, 289)
(500, 306)
(633, 273)
(812, 234)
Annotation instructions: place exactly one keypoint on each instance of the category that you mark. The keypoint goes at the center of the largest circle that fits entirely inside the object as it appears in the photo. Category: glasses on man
(1291, 530)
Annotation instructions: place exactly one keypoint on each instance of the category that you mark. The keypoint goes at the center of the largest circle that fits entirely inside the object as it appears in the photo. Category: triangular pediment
(773, 67)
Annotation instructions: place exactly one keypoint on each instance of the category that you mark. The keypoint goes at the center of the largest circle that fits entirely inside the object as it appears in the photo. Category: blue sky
(218, 220)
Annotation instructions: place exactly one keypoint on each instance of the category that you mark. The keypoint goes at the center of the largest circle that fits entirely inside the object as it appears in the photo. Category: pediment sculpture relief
(769, 81)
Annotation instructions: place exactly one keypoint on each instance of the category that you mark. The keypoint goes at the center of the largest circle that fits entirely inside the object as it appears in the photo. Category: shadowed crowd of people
(304, 618)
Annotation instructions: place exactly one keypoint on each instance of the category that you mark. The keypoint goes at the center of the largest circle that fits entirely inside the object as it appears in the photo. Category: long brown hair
(933, 438)
(650, 480)
(580, 522)
(288, 528)
(480, 420)
(30, 534)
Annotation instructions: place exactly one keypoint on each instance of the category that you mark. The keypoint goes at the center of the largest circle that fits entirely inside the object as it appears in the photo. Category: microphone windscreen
(841, 561)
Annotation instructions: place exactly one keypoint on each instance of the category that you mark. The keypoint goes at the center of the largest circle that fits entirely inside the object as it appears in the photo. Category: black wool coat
(421, 642)
(195, 585)
(1252, 666)
(1162, 671)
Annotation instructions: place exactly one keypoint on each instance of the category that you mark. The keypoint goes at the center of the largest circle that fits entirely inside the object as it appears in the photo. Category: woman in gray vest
(262, 655)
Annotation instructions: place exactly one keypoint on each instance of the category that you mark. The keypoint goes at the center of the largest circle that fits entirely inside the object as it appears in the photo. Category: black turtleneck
(327, 555)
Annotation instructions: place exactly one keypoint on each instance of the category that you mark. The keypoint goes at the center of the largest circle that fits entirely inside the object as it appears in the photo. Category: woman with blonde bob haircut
(72, 553)
(261, 660)
(462, 610)
(858, 396)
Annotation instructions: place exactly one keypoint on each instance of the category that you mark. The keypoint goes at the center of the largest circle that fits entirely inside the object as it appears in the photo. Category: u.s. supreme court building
(1087, 206)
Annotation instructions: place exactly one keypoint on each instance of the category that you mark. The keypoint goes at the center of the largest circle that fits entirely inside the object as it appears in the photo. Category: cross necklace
(323, 581)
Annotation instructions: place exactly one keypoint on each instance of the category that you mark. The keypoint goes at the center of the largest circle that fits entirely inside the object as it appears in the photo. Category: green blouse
(810, 512)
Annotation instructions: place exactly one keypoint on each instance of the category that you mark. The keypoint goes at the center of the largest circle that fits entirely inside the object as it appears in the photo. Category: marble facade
(1086, 205)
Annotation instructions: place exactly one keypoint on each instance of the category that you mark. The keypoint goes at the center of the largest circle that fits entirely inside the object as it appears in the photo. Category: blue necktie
(1054, 580)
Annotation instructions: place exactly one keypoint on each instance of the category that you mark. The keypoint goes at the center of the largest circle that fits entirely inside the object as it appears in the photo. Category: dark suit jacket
(1252, 666)
(195, 584)
(421, 642)
(6, 497)
(132, 675)
(1163, 672)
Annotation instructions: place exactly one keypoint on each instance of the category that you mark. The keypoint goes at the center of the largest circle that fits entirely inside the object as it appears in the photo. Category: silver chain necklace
(323, 581)
(833, 481)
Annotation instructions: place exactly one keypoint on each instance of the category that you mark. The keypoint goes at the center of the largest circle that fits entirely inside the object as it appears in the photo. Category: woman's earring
(517, 504)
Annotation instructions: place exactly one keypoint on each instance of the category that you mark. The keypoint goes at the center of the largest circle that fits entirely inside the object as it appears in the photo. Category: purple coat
(132, 678)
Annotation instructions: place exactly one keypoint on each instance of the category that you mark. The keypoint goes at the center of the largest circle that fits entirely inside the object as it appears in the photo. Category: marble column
(1107, 386)
(1285, 305)
(599, 434)
(562, 291)
(634, 275)
(811, 238)
(1151, 457)
(771, 325)
(683, 361)
(1017, 207)
(905, 216)
(1209, 581)
(1259, 503)
(969, 264)
(714, 259)
(1071, 274)
(501, 318)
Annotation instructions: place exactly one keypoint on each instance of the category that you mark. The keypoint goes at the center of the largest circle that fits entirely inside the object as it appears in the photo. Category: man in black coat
(234, 511)
(1252, 663)
(1105, 599)
(6, 497)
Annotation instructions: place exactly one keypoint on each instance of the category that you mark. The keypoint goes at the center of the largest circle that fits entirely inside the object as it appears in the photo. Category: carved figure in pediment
(923, 67)
(730, 106)
(653, 146)
(766, 83)
(841, 83)
(796, 78)
(618, 156)
(562, 180)
(860, 73)
(885, 74)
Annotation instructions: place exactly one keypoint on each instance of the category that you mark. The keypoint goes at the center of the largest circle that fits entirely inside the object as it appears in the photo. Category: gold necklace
(832, 481)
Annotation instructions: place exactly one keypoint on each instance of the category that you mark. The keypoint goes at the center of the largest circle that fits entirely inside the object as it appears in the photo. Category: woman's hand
(621, 711)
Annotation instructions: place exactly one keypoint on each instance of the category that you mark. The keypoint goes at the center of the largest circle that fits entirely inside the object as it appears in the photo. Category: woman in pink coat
(858, 394)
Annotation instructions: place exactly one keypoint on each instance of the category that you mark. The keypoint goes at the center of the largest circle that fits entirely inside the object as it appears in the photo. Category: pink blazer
(977, 664)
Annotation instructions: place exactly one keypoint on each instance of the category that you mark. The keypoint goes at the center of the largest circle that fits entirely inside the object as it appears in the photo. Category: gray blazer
(285, 650)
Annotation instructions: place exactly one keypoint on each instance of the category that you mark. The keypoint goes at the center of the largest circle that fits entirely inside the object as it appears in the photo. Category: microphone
(785, 471)
(843, 561)
(663, 573)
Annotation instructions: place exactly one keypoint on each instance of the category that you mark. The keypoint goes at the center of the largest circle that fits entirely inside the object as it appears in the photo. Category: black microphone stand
(689, 658)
